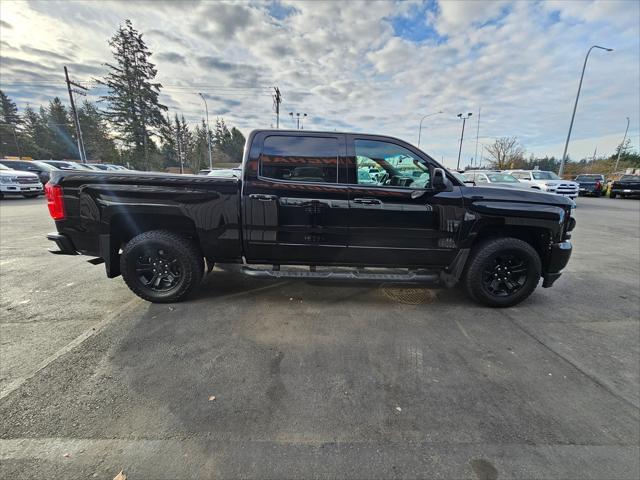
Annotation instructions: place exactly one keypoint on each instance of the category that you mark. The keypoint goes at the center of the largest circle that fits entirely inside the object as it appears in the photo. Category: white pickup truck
(546, 181)
(19, 183)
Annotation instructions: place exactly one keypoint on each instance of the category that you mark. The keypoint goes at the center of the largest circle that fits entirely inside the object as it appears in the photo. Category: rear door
(294, 207)
(398, 219)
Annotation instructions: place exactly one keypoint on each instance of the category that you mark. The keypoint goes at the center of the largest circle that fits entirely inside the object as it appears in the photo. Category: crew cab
(299, 210)
(591, 184)
(546, 181)
(627, 186)
(17, 182)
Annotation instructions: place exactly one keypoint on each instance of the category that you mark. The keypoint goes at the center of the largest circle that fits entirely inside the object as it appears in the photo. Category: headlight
(8, 179)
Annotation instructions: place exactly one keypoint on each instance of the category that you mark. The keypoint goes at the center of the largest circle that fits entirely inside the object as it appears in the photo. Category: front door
(294, 208)
(395, 217)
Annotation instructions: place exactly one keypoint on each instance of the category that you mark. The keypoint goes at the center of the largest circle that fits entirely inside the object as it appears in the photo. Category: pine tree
(133, 106)
(9, 127)
(98, 143)
(34, 135)
(62, 142)
(236, 146)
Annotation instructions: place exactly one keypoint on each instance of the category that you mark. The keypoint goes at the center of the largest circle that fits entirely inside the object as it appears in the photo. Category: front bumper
(558, 259)
(19, 189)
(64, 244)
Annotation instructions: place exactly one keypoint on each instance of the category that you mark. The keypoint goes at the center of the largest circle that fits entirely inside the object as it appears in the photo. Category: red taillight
(54, 201)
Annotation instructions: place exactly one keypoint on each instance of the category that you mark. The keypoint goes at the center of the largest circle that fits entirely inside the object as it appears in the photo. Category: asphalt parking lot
(260, 379)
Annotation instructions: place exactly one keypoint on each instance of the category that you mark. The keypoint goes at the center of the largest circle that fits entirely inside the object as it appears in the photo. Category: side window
(384, 163)
(521, 175)
(481, 178)
(300, 159)
(468, 177)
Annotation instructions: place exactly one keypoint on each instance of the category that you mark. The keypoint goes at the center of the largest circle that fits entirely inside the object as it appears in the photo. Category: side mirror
(440, 180)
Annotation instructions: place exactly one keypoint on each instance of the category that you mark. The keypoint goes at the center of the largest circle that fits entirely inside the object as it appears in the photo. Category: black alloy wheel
(161, 266)
(502, 272)
(506, 275)
(158, 270)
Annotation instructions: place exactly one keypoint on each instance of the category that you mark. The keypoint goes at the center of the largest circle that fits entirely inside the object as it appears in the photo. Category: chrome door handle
(367, 201)
(263, 197)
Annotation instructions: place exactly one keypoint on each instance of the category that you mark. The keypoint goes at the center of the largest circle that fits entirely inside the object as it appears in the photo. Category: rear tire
(502, 272)
(161, 266)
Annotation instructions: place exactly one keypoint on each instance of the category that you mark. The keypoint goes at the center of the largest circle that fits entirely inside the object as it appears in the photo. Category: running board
(413, 277)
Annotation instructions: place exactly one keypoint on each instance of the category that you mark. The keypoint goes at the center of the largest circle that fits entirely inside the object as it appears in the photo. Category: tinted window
(502, 178)
(521, 175)
(395, 165)
(541, 175)
(300, 159)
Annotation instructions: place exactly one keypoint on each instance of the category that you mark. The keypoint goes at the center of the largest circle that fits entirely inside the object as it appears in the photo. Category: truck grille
(567, 189)
(27, 180)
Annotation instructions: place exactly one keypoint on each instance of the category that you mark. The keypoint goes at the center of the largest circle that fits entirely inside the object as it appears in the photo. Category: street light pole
(621, 146)
(575, 105)
(206, 109)
(420, 128)
(464, 120)
(297, 117)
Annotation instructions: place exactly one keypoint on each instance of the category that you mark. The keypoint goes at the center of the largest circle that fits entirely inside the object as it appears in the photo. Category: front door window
(387, 164)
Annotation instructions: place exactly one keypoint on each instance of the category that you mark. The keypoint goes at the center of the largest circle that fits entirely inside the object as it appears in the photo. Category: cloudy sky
(376, 67)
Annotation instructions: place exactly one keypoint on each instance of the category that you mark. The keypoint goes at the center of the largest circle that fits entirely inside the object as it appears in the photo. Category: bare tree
(506, 152)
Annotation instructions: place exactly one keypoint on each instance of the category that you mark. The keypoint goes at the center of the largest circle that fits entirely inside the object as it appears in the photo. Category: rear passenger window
(300, 159)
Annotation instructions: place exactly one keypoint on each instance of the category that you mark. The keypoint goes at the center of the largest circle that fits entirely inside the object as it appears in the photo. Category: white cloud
(347, 67)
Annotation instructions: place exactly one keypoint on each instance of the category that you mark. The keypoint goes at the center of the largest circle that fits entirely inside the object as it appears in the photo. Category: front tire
(502, 272)
(161, 266)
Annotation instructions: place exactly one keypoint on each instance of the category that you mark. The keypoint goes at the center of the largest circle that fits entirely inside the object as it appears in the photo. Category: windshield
(502, 178)
(2, 167)
(545, 176)
(630, 178)
(588, 178)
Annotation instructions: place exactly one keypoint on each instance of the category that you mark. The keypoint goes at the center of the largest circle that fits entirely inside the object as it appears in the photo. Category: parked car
(33, 166)
(627, 186)
(546, 181)
(300, 203)
(17, 182)
(66, 165)
(225, 172)
(591, 184)
(494, 179)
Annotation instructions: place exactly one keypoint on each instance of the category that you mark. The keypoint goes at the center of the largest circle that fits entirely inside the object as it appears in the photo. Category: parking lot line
(18, 382)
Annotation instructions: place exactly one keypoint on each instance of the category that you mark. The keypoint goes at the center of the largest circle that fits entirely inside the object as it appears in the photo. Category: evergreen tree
(9, 127)
(97, 141)
(133, 106)
(236, 146)
(62, 142)
(34, 135)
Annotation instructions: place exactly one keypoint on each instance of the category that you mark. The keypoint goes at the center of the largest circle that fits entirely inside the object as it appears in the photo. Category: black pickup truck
(627, 186)
(303, 209)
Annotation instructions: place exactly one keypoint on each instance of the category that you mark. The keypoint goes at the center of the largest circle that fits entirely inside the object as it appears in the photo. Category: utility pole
(297, 117)
(464, 120)
(277, 100)
(624, 139)
(475, 157)
(206, 108)
(81, 151)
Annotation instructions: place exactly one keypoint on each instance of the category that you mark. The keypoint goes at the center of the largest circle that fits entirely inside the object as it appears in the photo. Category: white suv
(546, 181)
(19, 183)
